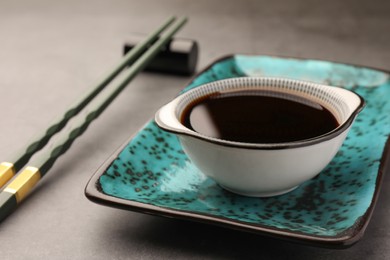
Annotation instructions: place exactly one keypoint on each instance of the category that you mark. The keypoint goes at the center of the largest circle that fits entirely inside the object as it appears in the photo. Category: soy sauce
(258, 117)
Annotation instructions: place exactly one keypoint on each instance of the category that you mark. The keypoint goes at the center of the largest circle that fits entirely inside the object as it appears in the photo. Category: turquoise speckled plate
(151, 174)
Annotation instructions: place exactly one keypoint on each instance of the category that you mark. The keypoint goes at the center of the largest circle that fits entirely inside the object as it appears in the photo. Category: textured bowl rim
(182, 130)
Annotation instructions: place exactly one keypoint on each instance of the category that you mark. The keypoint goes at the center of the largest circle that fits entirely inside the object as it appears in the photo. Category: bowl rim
(185, 131)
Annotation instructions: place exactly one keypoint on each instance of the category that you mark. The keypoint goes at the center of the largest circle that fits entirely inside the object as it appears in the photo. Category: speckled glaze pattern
(152, 169)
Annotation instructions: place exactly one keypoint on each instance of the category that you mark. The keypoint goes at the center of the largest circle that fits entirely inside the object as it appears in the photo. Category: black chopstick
(23, 183)
(9, 168)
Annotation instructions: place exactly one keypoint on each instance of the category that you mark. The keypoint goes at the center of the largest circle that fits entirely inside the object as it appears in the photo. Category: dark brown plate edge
(348, 238)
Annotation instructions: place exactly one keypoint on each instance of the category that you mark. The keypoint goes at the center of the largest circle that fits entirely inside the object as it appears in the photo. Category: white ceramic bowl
(263, 169)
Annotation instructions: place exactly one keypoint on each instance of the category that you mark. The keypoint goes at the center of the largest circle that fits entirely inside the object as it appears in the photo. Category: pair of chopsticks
(25, 180)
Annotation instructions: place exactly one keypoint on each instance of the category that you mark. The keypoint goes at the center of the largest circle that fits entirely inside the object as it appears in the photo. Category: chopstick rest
(179, 56)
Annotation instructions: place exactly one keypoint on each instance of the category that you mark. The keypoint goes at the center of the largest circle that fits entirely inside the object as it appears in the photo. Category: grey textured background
(52, 51)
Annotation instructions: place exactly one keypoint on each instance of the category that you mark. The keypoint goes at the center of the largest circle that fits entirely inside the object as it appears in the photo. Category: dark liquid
(256, 118)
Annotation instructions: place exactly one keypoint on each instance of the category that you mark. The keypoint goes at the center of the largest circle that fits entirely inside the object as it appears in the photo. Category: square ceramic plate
(151, 174)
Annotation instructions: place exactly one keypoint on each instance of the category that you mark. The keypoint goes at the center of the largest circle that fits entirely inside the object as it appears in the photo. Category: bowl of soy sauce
(259, 136)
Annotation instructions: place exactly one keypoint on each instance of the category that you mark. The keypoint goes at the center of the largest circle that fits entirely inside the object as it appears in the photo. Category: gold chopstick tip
(24, 183)
(7, 171)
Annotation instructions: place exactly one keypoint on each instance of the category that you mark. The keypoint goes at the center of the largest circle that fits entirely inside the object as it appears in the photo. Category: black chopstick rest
(180, 56)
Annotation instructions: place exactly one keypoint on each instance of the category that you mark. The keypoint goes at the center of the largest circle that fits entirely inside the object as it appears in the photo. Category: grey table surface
(51, 52)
